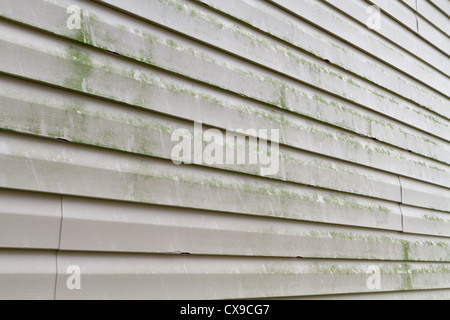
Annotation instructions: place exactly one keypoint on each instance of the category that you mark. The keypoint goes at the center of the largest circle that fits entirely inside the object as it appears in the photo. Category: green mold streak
(339, 47)
(370, 128)
(407, 281)
(379, 94)
(321, 164)
(81, 68)
(175, 4)
(297, 59)
(336, 75)
(254, 40)
(194, 13)
(353, 204)
(84, 34)
(335, 269)
(146, 55)
(320, 99)
(283, 102)
(435, 218)
(383, 150)
(430, 142)
(429, 117)
(405, 251)
(347, 139)
(436, 168)
(208, 18)
(431, 270)
(423, 164)
(353, 83)
(77, 109)
(283, 270)
(171, 43)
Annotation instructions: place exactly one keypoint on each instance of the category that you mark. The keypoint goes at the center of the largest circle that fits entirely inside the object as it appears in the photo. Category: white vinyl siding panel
(118, 276)
(27, 274)
(29, 220)
(87, 180)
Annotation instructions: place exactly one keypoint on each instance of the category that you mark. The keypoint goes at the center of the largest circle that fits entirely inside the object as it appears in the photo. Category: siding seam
(59, 245)
(417, 18)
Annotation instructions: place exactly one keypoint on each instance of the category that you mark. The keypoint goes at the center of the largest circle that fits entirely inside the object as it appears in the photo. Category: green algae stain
(84, 34)
(406, 248)
(81, 68)
(171, 43)
(283, 98)
(434, 218)
(407, 281)
(332, 200)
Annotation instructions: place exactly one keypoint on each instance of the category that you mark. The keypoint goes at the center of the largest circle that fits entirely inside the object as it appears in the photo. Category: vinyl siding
(86, 176)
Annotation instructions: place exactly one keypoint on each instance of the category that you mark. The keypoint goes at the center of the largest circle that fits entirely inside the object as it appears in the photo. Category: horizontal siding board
(94, 225)
(29, 220)
(120, 276)
(176, 96)
(423, 221)
(260, 14)
(420, 194)
(27, 274)
(74, 170)
(57, 114)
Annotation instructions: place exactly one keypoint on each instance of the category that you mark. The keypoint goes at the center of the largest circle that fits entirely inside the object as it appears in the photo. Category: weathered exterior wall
(86, 176)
